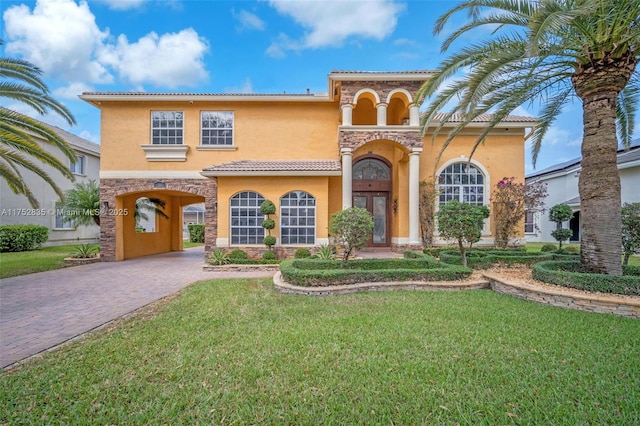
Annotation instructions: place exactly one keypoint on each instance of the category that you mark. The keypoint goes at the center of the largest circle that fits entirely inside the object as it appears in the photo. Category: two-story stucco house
(15, 209)
(562, 188)
(359, 144)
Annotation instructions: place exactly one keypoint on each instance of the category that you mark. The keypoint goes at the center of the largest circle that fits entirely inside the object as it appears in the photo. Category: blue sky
(265, 46)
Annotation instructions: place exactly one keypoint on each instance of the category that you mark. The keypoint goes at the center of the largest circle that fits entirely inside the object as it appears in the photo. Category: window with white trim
(246, 219)
(530, 222)
(216, 128)
(298, 218)
(463, 182)
(167, 127)
(60, 223)
(77, 167)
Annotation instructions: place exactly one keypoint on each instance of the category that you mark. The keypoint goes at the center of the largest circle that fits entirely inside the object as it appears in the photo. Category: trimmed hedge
(314, 276)
(196, 232)
(567, 274)
(367, 264)
(239, 261)
(481, 259)
(22, 237)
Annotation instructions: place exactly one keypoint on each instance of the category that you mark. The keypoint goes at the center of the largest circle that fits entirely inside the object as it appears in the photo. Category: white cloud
(245, 87)
(170, 60)
(248, 21)
(72, 91)
(331, 23)
(555, 135)
(62, 38)
(122, 4)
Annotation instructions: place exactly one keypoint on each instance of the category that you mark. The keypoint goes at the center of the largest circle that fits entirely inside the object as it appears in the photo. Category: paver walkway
(40, 311)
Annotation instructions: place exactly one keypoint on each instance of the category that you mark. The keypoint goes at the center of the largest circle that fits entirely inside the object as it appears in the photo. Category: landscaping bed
(315, 272)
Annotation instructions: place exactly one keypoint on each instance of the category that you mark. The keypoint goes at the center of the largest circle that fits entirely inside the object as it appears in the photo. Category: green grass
(237, 352)
(535, 247)
(28, 262)
(188, 244)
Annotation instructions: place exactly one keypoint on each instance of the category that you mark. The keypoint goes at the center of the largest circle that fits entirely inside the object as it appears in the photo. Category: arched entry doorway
(372, 191)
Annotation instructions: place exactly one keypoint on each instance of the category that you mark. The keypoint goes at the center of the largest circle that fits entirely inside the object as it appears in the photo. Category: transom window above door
(371, 169)
(463, 182)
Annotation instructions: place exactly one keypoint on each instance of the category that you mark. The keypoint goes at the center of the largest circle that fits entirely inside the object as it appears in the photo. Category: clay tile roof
(275, 167)
(485, 118)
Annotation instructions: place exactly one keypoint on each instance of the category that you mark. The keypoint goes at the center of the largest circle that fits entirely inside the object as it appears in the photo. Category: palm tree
(82, 204)
(20, 81)
(551, 51)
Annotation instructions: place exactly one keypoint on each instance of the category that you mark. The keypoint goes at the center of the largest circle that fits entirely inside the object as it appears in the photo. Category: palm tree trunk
(599, 186)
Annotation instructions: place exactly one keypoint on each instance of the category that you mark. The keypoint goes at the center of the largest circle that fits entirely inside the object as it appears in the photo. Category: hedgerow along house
(359, 144)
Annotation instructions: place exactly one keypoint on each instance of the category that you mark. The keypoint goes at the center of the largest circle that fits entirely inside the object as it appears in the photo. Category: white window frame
(78, 164)
(297, 217)
(217, 133)
(58, 223)
(532, 223)
(172, 126)
(245, 206)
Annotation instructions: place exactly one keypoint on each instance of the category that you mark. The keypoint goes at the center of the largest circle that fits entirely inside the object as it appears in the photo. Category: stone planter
(74, 261)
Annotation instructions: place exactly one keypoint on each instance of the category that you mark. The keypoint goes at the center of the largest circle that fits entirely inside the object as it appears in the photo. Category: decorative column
(382, 114)
(414, 115)
(347, 113)
(414, 196)
(346, 177)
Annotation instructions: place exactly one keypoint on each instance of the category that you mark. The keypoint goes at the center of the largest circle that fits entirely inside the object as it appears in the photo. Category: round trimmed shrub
(269, 240)
(269, 255)
(268, 224)
(571, 249)
(238, 254)
(548, 247)
(302, 253)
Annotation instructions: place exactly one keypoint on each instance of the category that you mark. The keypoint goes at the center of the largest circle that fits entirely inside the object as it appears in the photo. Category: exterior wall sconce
(215, 207)
(395, 206)
(159, 185)
(105, 205)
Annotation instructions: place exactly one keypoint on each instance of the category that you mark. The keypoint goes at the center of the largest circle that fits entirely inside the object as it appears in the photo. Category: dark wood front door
(377, 203)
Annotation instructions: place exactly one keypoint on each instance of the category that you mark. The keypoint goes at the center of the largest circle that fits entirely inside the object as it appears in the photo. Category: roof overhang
(275, 168)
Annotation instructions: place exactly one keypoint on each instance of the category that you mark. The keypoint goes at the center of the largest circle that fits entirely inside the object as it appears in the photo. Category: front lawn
(237, 352)
(28, 262)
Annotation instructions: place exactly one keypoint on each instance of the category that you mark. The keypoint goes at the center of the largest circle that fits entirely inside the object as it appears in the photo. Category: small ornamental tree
(463, 223)
(267, 208)
(630, 230)
(558, 214)
(511, 200)
(351, 229)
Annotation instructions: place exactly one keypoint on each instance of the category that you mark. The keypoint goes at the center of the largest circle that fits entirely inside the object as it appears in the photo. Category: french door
(377, 203)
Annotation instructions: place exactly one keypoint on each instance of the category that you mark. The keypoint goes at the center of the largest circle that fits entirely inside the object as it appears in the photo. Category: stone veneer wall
(354, 140)
(112, 188)
(382, 88)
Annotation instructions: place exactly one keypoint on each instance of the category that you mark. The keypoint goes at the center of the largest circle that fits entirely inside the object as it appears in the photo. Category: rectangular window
(529, 222)
(167, 127)
(216, 128)
(77, 168)
(60, 223)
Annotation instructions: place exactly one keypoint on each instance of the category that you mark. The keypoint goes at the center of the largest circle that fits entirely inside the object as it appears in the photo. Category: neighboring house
(562, 187)
(360, 144)
(15, 209)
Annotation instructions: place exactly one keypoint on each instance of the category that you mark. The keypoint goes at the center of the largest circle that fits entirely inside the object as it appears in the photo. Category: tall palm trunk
(598, 85)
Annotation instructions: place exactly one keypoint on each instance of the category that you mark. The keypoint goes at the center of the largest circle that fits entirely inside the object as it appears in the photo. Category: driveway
(40, 311)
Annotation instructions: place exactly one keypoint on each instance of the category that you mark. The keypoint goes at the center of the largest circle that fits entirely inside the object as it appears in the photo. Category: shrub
(238, 254)
(302, 253)
(548, 247)
(326, 252)
(269, 241)
(351, 228)
(339, 273)
(84, 251)
(568, 274)
(22, 237)
(196, 232)
(571, 249)
(218, 257)
(461, 222)
(269, 255)
(482, 259)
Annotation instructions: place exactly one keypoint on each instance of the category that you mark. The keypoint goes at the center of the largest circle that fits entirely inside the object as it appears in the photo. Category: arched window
(298, 218)
(246, 219)
(370, 168)
(463, 182)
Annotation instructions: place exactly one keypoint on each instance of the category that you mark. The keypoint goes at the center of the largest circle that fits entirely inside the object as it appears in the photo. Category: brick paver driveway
(40, 311)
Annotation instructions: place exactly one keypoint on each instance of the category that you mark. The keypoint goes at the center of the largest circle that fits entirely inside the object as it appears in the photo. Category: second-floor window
(77, 168)
(167, 127)
(217, 127)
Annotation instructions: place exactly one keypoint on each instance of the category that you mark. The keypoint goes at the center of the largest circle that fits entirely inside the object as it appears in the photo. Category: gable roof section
(626, 158)
(275, 168)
